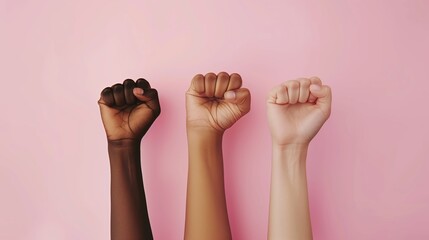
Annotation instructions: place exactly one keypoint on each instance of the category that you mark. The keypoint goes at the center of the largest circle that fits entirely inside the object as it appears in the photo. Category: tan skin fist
(216, 102)
(297, 109)
(128, 109)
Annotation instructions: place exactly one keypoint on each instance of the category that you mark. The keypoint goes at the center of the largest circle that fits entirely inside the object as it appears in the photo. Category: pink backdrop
(367, 168)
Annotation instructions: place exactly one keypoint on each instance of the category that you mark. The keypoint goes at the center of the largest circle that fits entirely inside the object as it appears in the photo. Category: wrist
(203, 133)
(290, 147)
(124, 154)
(292, 156)
(123, 144)
(205, 142)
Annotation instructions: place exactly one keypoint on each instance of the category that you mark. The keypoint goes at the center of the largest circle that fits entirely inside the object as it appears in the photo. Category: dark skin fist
(128, 110)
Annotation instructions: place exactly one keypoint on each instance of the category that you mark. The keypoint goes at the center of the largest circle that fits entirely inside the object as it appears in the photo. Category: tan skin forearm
(289, 211)
(206, 211)
(129, 214)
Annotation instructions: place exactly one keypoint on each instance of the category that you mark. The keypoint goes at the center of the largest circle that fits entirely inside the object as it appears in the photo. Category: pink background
(367, 168)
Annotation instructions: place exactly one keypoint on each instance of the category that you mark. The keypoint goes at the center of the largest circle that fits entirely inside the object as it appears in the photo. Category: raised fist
(216, 102)
(297, 109)
(128, 109)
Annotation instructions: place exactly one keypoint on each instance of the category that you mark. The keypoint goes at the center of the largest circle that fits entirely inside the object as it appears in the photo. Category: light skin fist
(297, 109)
(216, 102)
(128, 109)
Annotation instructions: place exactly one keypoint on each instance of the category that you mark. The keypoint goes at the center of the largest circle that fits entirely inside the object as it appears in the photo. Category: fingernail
(229, 95)
(138, 91)
(315, 87)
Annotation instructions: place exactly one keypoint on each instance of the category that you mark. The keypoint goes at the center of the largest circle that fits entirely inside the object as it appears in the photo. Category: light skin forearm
(297, 109)
(289, 211)
(129, 215)
(206, 211)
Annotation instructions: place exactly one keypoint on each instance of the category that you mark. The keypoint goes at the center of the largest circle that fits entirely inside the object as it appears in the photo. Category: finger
(304, 91)
(278, 95)
(118, 94)
(142, 83)
(210, 84)
(222, 82)
(324, 96)
(235, 82)
(197, 84)
(292, 91)
(129, 85)
(241, 97)
(106, 97)
(317, 81)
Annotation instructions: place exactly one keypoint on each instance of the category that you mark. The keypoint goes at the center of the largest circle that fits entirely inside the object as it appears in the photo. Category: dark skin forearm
(128, 110)
(129, 214)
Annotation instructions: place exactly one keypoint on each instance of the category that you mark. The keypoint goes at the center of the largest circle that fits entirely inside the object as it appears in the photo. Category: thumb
(149, 97)
(323, 95)
(241, 97)
(139, 93)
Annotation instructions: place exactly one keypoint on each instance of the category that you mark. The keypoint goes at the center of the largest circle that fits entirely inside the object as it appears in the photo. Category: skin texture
(213, 104)
(127, 111)
(297, 109)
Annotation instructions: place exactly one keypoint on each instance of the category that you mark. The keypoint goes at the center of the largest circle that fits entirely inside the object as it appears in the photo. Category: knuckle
(305, 82)
(210, 75)
(128, 82)
(292, 84)
(198, 76)
(315, 80)
(117, 87)
(328, 88)
(222, 74)
(106, 90)
(143, 83)
(236, 75)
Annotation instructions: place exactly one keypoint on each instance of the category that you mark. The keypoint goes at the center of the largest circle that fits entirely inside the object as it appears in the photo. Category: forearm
(206, 211)
(289, 211)
(129, 215)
